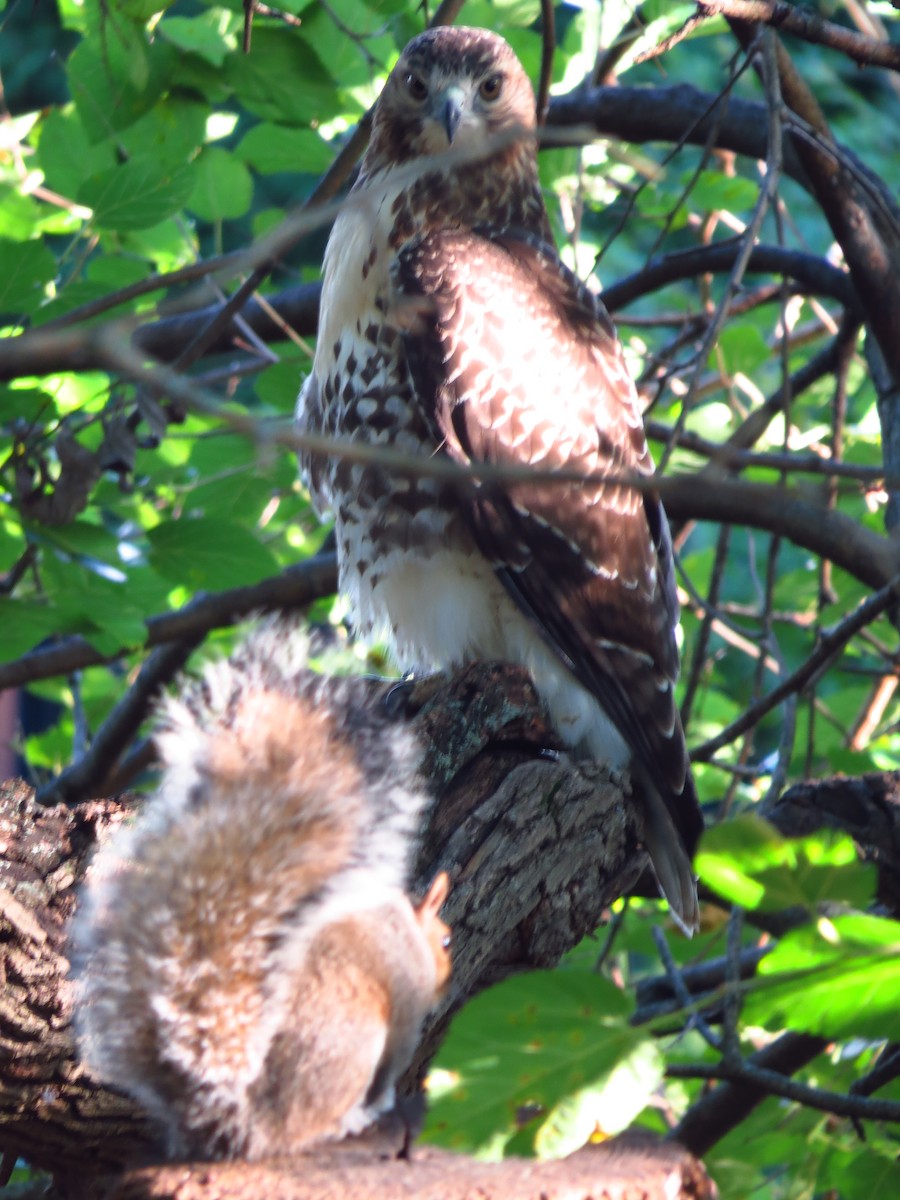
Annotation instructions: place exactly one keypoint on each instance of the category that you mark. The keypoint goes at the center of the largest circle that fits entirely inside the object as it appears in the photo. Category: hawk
(449, 326)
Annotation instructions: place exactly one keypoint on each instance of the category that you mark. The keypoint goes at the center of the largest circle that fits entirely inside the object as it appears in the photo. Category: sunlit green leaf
(553, 1035)
(207, 553)
(272, 148)
(222, 186)
(837, 978)
(138, 194)
(27, 267)
(212, 34)
(748, 862)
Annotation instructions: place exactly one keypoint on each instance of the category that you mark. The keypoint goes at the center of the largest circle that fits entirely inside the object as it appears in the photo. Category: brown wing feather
(517, 364)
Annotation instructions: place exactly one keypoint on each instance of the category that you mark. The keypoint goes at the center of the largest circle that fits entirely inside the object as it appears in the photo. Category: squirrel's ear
(437, 934)
(434, 898)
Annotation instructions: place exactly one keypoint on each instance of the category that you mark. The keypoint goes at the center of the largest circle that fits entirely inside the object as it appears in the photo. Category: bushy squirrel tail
(281, 791)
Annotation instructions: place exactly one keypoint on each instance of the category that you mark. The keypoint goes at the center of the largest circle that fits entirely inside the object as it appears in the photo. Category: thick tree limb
(866, 807)
(814, 274)
(810, 26)
(625, 1169)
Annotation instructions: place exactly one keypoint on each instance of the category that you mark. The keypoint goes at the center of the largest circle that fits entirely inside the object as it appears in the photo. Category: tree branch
(863, 222)
(808, 25)
(636, 114)
(294, 588)
(775, 1083)
(85, 777)
(726, 1106)
(830, 644)
(815, 275)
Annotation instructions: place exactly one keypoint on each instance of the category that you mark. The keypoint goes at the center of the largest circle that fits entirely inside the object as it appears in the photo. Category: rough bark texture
(866, 807)
(626, 1169)
(537, 850)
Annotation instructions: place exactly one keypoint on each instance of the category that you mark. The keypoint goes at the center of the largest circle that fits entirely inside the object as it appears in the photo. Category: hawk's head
(451, 86)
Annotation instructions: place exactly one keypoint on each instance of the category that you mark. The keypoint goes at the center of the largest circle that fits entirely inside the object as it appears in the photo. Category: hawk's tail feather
(671, 864)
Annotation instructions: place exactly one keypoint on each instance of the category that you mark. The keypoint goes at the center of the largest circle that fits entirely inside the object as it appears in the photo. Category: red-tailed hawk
(449, 326)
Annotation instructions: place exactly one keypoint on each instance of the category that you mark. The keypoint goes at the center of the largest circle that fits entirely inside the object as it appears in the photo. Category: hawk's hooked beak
(451, 111)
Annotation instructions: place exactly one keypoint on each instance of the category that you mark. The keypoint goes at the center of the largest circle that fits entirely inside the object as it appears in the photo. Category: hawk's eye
(416, 87)
(491, 87)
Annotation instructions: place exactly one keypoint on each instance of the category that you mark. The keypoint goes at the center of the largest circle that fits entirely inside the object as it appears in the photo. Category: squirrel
(249, 966)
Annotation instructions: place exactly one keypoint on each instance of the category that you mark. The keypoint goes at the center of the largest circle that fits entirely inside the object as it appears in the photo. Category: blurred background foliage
(136, 139)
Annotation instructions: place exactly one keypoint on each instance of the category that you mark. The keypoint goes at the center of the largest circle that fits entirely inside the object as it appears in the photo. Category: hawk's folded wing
(518, 365)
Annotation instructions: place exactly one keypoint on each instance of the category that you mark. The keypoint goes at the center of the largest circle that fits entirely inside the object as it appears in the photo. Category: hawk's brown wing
(517, 364)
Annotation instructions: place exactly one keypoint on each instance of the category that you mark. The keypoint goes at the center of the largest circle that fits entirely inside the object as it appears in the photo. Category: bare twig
(885, 1071)
(725, 1107)
(684, 31)
(295, 587)
(731, 1001)
(831, 644)
(673, 974)
(548, 46)
(704, 980)
(222, 264)
(701, 645)
(724, 455)
(776, 1084)
(85, 777)
(767, 194)
(54, 348)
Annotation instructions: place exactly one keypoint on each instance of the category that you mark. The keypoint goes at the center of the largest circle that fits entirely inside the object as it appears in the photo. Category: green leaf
(23, 625)
(277, 386)
(223, 187)
(66, 154)
(83, 538)
(25, 404)
(837, 978)
(137, 195)
(19, 214)
(713, 190)
(171, 133)
(27, 268)
(273, 148)
(742, 348)
(748, 862)
(555, 1041)
(102, 610)
(208, 553)
(213, 34)
(863, 1174)
(109, 95)
(607, 1106)
(283, 80)
(228, 478)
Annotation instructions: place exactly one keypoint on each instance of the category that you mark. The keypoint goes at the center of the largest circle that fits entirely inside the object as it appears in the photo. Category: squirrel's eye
(491, 87)
(416, 86)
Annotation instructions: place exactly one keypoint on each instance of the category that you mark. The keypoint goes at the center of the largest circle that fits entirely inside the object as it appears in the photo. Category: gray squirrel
(249, 966)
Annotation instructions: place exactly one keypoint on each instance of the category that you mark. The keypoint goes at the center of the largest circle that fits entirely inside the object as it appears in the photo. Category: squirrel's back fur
(245, 950)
